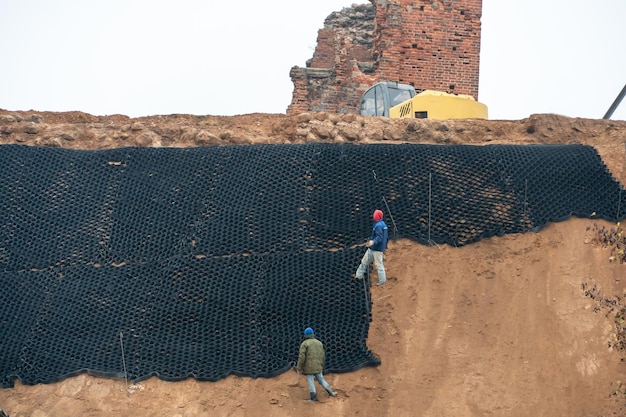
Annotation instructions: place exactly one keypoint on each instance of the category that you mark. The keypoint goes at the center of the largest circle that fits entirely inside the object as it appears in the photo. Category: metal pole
(618, 100)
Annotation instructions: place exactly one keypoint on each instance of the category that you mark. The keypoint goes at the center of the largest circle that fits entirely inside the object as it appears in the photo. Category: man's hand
(369, 243)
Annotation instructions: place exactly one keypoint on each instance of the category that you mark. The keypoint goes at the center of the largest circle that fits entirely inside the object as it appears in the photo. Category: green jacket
(311, 356)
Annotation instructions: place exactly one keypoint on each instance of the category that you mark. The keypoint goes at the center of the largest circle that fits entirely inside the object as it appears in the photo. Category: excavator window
(372, 102)
(398, 96)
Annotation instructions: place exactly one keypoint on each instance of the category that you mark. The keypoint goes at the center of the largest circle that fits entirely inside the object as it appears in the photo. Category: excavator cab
(382, 96)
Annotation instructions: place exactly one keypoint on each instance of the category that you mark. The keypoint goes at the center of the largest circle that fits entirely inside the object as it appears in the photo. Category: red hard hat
(378, 215)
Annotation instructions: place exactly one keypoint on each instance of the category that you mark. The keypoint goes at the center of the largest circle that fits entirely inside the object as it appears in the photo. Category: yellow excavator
(390, 99)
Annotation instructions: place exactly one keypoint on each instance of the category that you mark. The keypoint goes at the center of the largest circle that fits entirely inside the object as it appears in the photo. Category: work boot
(331, 392)
(313, 397)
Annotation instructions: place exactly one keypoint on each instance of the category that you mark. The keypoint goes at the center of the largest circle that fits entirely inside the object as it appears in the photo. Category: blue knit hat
(308, 331)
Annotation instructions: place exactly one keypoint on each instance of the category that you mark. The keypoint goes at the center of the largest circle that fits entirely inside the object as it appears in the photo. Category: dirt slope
(497, 328)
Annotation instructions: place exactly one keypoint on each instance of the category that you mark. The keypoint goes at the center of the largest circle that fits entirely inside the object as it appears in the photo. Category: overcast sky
(149, 57)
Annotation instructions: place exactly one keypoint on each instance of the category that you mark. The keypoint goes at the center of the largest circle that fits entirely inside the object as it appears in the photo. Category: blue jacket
(380, 236)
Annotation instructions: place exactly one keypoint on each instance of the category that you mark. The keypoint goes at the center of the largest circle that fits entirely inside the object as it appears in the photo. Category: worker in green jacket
(311, 363)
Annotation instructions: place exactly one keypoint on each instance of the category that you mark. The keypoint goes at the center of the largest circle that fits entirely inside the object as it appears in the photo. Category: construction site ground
(518, 325)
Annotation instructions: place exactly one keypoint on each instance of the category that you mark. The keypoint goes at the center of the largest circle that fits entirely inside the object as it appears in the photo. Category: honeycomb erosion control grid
(206, 262)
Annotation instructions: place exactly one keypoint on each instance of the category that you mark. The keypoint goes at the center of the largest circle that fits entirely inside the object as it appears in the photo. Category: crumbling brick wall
(430, 44)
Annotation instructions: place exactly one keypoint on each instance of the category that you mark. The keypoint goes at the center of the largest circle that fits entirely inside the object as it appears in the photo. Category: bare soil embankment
(519, 325)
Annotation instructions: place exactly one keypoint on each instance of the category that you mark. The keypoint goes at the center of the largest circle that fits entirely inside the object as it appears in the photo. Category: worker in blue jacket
(376, 245)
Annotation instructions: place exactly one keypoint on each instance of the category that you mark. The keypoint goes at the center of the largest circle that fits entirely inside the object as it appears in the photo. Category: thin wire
(123, 359)
(366, 281)
(619, 202)
(395, 226)
(367, 304)
(430, 180)
(619, 198)
(525, 195)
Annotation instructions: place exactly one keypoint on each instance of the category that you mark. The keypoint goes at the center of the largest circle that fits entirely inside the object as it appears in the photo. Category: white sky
(202, 57)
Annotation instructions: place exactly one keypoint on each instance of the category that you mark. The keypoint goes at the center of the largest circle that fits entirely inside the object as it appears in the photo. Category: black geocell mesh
(206, 262)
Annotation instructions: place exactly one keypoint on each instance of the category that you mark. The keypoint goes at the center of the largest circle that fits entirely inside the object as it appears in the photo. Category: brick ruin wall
(430, 44)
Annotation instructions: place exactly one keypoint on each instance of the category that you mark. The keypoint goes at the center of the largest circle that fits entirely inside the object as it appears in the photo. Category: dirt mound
(519, 325)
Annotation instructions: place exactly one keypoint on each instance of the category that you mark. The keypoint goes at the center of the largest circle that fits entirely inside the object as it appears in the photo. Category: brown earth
(519, 325)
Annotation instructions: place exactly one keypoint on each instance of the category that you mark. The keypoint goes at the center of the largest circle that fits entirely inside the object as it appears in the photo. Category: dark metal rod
(618, 100)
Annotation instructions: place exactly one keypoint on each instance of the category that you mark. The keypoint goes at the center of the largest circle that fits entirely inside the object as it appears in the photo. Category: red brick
(430, 44)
